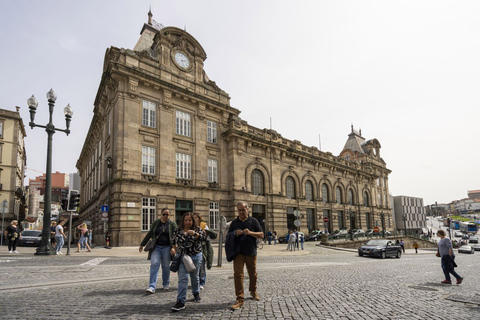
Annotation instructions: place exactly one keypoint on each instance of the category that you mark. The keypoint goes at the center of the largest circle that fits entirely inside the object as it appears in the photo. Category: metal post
(351, 225)
(223, 223)
(69, 234)
(4, 204)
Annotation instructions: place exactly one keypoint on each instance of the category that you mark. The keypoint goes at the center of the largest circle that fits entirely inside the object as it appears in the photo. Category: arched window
(308, 191)
(290, 187)
(338, 195)
(325, 195)
(350, 197)
(366, 199)
(257, 183)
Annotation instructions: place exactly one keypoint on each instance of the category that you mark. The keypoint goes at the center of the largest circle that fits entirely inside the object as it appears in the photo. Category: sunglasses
(165, 214)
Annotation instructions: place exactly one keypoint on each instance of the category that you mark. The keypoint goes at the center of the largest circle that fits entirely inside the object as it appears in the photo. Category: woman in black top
(187, 240)
(13, 234)
(161, 232)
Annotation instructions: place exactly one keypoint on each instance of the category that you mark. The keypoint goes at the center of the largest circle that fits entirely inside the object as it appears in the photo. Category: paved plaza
(317, 283)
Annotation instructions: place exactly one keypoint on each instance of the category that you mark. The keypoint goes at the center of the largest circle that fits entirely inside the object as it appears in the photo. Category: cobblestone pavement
(317, 283)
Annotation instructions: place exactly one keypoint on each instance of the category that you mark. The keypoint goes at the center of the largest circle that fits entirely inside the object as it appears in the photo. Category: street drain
(423, 288)
(471, 300)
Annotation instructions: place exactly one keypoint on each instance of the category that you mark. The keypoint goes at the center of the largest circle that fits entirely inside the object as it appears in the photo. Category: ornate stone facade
(172, 140)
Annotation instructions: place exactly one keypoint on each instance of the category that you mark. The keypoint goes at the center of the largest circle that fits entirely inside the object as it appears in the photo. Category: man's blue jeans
(160, 256)
(447, 273)
(60, 241)
(183, 278)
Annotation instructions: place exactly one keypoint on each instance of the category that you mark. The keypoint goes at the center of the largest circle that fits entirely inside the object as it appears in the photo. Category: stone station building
(164, 135)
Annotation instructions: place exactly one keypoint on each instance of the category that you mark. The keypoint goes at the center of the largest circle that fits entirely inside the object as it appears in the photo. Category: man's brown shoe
(255, 295)
(237, 305)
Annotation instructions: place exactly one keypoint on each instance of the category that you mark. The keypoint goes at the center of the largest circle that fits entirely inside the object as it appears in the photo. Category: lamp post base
(45, 251)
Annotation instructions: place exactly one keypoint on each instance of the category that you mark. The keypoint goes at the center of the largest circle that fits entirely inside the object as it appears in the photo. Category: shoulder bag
(175, 264)
(188, 263)
(150, 245)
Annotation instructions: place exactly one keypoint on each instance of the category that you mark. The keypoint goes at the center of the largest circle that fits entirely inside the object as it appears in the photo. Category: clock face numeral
(182, 60)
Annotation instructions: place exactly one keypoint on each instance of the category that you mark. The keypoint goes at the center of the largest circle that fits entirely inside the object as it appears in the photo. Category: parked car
(283, 239)
(358, 232)
(380, 248)
(30, 238)
(340, 234)
(476, 247)
(465, 236)
(315, 235)
(466, 249)
(458, 234)
(473, 239)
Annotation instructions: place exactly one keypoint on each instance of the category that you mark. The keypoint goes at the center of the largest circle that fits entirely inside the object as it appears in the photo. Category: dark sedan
(30, 238)
(380, 248)
(473, 239)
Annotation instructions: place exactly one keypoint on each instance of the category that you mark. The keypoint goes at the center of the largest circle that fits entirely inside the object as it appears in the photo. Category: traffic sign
(297, 223)
(104, 209)
(376, 229)
(296, 213)
(325, 219)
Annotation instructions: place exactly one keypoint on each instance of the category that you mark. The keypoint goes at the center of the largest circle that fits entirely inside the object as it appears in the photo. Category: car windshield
(377, 243)
(32, 233)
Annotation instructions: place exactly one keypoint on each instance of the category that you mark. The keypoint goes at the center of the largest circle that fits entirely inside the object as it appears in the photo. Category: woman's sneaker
(150, 290)
(196, 297)
(459, 280)
(178, 306)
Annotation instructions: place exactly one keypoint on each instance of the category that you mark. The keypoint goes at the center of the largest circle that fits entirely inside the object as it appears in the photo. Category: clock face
(182, 60)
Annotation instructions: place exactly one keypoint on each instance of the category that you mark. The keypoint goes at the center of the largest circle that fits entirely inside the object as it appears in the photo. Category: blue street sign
(104, 209)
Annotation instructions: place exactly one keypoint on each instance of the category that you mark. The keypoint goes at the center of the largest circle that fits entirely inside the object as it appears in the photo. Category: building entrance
(182, 206)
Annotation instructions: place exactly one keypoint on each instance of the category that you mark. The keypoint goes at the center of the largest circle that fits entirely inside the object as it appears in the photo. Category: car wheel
(399, 254)
(384, 255)
(360, 254)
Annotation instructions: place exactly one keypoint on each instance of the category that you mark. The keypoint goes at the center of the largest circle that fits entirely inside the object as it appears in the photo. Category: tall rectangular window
(148, 160)
(214, 222)
(211, 131)
(183, 124)
(212, 170)
(184, 166)
(149, 113)
(1, 129)
(148, 213)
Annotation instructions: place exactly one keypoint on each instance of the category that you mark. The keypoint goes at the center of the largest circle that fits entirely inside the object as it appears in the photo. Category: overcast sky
(405, 72)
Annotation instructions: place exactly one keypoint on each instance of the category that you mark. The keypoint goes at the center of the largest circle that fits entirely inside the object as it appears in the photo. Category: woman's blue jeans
(60, 242)
(160, 256)
(183, 278)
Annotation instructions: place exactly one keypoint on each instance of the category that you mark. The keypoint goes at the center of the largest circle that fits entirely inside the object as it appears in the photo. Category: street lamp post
(405, 224)
(45, 247)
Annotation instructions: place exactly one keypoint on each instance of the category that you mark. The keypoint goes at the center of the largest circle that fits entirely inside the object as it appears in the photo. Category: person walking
(402, 244)
(207, 250)
(295, 231)
(83, 237)
(275, 237)
(161, 232)
(187, 241)
(246, 230)
(291, 241)
(445, 251)
(13, 233)
(59, 237)
(53, 225)
(269, 236)
(108, 238)
(415, 246)
(302, 240)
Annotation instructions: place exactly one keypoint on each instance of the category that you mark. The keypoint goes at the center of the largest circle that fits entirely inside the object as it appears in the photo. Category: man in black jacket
(246, 230)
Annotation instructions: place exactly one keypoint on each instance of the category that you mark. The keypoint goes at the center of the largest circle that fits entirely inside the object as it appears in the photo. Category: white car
(466, 249)
(458, 234)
